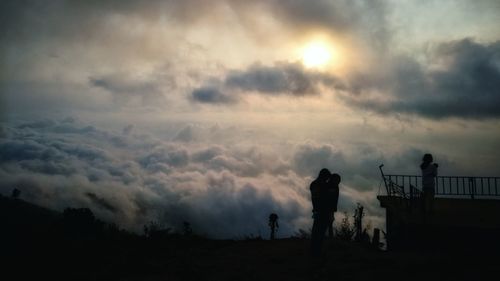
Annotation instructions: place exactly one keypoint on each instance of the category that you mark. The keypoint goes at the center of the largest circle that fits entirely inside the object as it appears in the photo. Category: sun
(316, 54)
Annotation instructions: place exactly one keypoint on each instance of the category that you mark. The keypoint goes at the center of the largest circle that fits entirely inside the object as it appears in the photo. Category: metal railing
(409, 186)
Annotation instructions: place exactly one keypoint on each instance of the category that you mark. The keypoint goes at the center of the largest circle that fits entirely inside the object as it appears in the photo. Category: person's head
(335, 178)
(324, 174)
(427, 158)
(426, 161)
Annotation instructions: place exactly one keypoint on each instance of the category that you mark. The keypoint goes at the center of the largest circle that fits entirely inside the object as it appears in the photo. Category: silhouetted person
(273, 224)
(321, 210)
(333, 198)
(429, 174)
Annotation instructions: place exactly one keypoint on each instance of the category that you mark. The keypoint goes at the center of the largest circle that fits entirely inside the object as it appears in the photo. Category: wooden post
(376, 238)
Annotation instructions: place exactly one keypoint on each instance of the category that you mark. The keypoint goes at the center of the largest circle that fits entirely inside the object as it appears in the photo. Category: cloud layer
(130, 179)
(224, 190)
(461, 79)
(102, 56)
(287, 79)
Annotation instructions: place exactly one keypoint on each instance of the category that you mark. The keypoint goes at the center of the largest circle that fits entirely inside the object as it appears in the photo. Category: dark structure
(465, 212)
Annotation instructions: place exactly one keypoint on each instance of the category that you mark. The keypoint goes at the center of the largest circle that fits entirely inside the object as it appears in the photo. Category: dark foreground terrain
(42, 244)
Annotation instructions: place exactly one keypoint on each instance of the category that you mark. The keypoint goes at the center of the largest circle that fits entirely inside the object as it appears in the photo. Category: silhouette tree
(273, 224)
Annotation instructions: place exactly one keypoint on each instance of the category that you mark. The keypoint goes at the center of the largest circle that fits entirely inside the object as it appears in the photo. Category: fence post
(437, 185)
(390, 186)
(472, 187)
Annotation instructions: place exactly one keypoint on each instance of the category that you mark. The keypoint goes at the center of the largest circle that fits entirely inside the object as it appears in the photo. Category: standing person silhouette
(429, 174)
(321, 211)
(333, 199)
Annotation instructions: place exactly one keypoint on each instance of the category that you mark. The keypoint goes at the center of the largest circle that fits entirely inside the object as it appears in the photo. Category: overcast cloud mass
(205, 111)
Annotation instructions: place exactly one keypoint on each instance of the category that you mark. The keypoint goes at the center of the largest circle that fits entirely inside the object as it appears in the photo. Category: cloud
(48, 167)
(125, 88)
(366, 20)
(283, 78)
(456, 79)
(186, 134)
(224, 190)
(211, 95)
(310, 158)
(127, 129)
(145, 179)
(170, 156)
(225, 187)
(461, 80)
(101, 202)
(280, 79)
(15, 150)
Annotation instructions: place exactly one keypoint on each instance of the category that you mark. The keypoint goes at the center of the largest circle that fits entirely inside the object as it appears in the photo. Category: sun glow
(316, 55)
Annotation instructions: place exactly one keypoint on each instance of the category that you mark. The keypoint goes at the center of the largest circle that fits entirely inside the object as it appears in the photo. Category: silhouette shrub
(155, 230)
(346, 230)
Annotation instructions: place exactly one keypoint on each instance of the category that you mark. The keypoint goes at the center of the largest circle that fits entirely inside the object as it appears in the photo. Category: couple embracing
(324, 196)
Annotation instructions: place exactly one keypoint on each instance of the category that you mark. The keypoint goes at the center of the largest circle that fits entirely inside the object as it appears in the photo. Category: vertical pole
(489, 187)
(390, 185)
(471, 187)
(376, 238)
(463, 185)
(482, 187)
(496, 187)
(383, 177)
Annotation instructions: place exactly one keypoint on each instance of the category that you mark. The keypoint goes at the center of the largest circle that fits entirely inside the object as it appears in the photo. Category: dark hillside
(21, 220)
(39, 243)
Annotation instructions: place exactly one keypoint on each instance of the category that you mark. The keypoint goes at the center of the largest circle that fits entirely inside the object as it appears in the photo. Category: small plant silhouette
(346, 230)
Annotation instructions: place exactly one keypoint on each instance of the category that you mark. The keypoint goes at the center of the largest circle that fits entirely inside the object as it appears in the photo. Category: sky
(221, 112)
